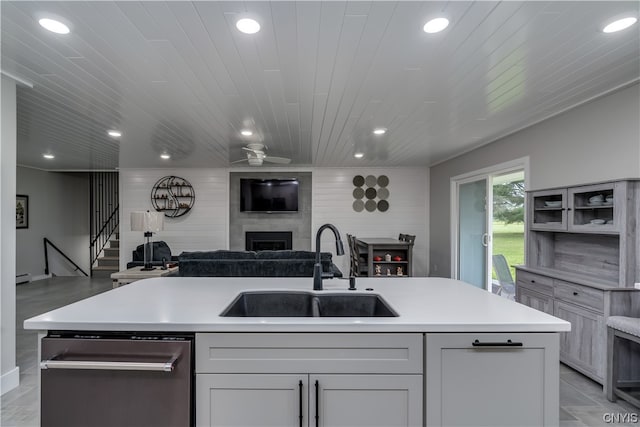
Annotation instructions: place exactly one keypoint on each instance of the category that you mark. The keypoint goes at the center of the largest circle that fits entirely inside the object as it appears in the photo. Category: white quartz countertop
(194, 304)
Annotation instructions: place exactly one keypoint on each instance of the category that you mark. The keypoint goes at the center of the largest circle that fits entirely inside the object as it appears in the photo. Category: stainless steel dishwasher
(108, 380)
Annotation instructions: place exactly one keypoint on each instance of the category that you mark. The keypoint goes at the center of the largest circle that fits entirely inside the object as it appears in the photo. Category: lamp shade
(147, 221)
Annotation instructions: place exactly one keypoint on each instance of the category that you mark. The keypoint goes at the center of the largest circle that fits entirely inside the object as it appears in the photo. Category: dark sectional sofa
(223, 263)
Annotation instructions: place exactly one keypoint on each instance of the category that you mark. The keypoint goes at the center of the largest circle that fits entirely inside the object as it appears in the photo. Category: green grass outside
(509, 241)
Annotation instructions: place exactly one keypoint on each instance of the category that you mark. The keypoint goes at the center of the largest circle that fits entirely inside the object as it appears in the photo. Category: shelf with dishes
(588, 238)
(548, 209)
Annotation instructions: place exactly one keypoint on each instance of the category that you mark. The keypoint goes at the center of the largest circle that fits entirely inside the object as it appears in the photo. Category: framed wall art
(22, 211)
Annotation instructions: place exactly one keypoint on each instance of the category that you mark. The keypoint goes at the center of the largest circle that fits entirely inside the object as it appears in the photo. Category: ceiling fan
(256, 155)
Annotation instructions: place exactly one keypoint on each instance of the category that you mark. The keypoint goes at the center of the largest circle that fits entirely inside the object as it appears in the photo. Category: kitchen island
(454, 355)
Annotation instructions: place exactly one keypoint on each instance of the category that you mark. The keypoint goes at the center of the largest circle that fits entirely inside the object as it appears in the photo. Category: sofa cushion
(285, 268)
(286, 254)
(219, 254)
(218, 268)
(224, 263)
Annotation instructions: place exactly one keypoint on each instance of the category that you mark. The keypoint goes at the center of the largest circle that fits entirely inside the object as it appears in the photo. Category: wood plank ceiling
(178, 77)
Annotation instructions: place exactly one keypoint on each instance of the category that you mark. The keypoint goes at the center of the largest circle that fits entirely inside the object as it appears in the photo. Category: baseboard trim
(10, 380)
(42, 277)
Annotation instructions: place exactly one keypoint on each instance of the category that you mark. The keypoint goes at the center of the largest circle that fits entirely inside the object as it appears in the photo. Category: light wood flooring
(582, 402)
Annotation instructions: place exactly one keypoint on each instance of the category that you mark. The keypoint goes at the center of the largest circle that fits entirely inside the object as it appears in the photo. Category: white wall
(204, 227)
(59, 211)
(408, 209)
(9, 372)
(594, 142)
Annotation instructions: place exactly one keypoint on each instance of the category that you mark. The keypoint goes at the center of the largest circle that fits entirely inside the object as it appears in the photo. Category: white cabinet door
(246, 400)
(495, 382)
(365, 400)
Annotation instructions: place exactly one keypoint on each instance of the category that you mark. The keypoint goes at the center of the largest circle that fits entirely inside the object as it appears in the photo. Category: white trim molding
(9, 380)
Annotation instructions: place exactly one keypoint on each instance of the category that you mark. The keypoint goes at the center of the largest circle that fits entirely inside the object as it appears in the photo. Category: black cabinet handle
(300, 402)
(575, 294)
(533, 281)
(317, 401)
(509, 343)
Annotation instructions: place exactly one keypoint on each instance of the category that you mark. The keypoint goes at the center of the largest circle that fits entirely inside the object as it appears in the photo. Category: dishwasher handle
(167, 366)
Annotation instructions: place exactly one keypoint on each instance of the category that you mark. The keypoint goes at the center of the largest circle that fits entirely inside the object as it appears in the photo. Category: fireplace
(268, 240)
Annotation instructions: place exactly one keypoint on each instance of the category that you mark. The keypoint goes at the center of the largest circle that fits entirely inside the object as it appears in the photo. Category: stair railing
(46, 257)
(103, 212)
(104, 235)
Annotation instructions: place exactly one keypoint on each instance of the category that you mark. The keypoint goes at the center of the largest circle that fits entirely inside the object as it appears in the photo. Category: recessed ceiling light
(358, 155)
(54, 26)
(246, 132)
(436, 25)
(620, 24)
(248, 26)
(165, 156)
(48, 156)
(379, 131)
(115, 133)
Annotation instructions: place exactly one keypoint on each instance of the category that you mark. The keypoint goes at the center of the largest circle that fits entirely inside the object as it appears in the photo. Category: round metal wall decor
(358, 193)
(358, 180)
(358, 205)
(383, 180)
(172, 195)
(371, 193)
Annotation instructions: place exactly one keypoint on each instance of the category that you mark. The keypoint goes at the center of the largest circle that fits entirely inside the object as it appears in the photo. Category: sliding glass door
(472, 233)
(488, 230)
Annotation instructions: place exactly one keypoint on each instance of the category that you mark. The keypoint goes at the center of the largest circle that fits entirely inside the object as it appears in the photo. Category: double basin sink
(277, 303)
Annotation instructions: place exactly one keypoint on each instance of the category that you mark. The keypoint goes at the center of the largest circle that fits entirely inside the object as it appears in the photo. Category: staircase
(109, 262)
(104, 220)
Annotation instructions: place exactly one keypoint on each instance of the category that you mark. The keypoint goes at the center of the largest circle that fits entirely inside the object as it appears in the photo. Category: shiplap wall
(408, 209)
(205, 227)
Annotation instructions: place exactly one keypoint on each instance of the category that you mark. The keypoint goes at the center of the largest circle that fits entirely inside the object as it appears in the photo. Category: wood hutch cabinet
(582, 260)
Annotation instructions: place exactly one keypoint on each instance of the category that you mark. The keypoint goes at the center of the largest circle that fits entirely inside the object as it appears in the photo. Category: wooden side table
(136, 273)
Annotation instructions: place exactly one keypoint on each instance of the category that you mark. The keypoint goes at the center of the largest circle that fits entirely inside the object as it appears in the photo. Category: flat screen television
(268, 195)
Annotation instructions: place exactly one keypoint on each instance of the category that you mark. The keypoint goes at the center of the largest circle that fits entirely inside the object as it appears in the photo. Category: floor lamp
(149, 223)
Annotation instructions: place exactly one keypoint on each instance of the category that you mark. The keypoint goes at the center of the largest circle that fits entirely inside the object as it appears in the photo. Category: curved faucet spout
(317, 268)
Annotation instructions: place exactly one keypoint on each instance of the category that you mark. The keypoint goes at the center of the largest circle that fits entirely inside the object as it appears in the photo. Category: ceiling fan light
(620, 24)
(380, 131)
(358, 155)
(114, 133)
(48, 156)
(246, 132)
(165, 156)
(436, 25)
(255, 161)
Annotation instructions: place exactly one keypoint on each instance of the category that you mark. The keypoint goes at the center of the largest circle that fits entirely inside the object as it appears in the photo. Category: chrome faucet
(317, 267)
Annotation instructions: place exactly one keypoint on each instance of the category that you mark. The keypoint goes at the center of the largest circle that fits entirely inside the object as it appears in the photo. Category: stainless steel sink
(307, 304)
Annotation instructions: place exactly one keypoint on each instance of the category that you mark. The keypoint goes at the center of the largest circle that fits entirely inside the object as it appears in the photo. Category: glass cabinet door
(548, 210)
(596, 208)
